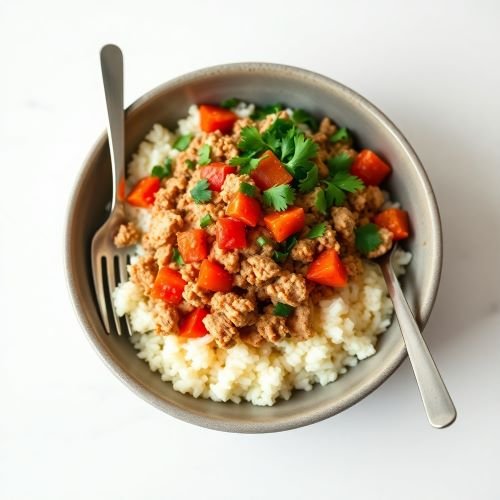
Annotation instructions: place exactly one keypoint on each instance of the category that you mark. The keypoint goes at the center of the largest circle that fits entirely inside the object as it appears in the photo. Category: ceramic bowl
(260, 83)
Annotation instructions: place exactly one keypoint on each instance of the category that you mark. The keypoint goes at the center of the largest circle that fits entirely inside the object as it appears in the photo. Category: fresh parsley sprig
(279, 197)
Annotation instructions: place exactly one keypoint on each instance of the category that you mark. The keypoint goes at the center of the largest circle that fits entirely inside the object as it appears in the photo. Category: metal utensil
(109, 263)
(437, 401)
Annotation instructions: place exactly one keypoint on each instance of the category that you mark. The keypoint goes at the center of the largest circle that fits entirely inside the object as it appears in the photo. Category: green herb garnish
(301, 116)
(308, 183)
(261, 241)
(283, 310)
(317, 231)
(367, 238)
(251, 141)
(190, 164)
(246, 163)
(177, 258)
(205, 221)
(164, 170)
(182, 142)
(201, 192)
(342, 134)
(340, 163)
(230, 103)
(248, 189)
(204, 154)
(320, 202)
(262, 111)
(279, 197)
(284, 249)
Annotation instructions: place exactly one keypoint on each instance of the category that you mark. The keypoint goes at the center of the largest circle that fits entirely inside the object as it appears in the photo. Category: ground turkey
(222, 330)
(258, 269)
(239, 310)
(290, 288)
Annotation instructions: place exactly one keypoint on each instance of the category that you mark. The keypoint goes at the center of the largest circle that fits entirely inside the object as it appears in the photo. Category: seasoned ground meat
(327, 240)
(290, 288)
(272, 328)
(258, 269)
(167, 197)
(232, 185)
(230, 259)
(385, 246)
(143, 273)
(195, 296)
(239, 310)
(223, 147)
(344, 223)
(353, 265)
(127, 235)
(368, 201)
(304, 251)
(222, 330)
(166, 318)
(163, 228)
(299, 322)
(251, 336)
(163, 255)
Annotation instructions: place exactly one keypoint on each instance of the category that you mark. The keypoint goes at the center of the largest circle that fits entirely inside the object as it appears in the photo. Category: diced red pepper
(328, 270)
(284, 224)
(245, 208)
(396, 221)
(193, 245)
(191, 326)
(214, 277)
(214, 118)
(370, 168)
(143, 193)
(270, 172)
(122, 190)
(168, 286)
(230, 234)
(216, 174)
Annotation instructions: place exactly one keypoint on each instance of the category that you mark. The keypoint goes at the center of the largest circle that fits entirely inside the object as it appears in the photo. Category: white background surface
(68, 428)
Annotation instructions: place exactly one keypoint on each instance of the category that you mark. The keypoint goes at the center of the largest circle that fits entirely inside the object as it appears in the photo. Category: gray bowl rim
(312, 416)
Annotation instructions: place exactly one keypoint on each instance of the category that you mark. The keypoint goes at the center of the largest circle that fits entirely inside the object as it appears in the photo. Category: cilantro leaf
(367, 238)
(177, 258)
(201, 193)
(320, 202)
(309, 182)
(305, 149)
(205, 221)
(248, 189)
(262, 111)
(283, 310)
(340, 163)
(347, 182)
(316, 231)
(261, 241)
(276, 133)
(246, 163)
(251, 141)
(333, 194)
(230, 103)
(190, 164)
(284, 249)
(301, 116)
(204, 154)
(279, 197)
(164, 170)
(342, 135)
(182, 142)
(288, 144)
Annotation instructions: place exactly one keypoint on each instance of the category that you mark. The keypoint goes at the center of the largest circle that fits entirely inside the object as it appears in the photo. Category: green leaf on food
(283, 310)
(347, 182)
(279, 197)
(305, 149)
(301, 116)
(248, 189)
(262, 111)
(205, 221)
(177, 258)
(277, 133)
(251, 141)
(182, 142)
(284, 249)
(317, 230)
(204, 154)
(367, 238)
(164, 170)
(342, 135)
(320, 202)
(190, 164)
(230, 103)
(201, 192)
(340, 163)
(308, 183)
(261, 241)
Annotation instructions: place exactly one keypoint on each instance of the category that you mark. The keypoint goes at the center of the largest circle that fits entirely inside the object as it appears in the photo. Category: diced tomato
(396, 221)
(193, 245)
(370, 168)
(168, 286)
(216, 174)
(214, 118)
(214, 277)
(121, 193)
(284, 224)
(143, 193)
(328, 270)
(270, 172)
(245, 208)
(230, 234)
(191, 326)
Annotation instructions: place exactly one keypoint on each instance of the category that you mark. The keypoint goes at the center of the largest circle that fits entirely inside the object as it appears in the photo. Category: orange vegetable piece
(244, 208)
(143, 193)
(230, 234)
(270, 172)
(214, 277)
(191, 326)
(396, 221)
(284, 224)
(328, 270)
(370, 168)
(168, 286)
(193, 245)
(214, 118)
(216, 174)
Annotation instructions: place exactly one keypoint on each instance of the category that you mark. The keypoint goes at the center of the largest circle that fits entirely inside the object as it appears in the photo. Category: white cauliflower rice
(347, 325)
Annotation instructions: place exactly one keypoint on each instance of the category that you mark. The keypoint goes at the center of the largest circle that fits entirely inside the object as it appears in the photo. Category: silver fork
(437, 401)
(109, 263)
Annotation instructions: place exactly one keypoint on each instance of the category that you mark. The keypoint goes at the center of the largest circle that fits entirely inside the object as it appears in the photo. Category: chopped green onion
(177, 258)
(261, 241)
(190, 164)
(164, 170)
(342, 134)
(182, 142)
(283, 310)
(205, 221)
(248, 189)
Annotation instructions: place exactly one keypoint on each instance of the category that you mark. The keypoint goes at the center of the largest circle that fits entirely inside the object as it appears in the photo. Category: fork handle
(112, 77)
(437, 401)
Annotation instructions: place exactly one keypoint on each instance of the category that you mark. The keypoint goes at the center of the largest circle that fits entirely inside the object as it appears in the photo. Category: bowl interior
(260, 83)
